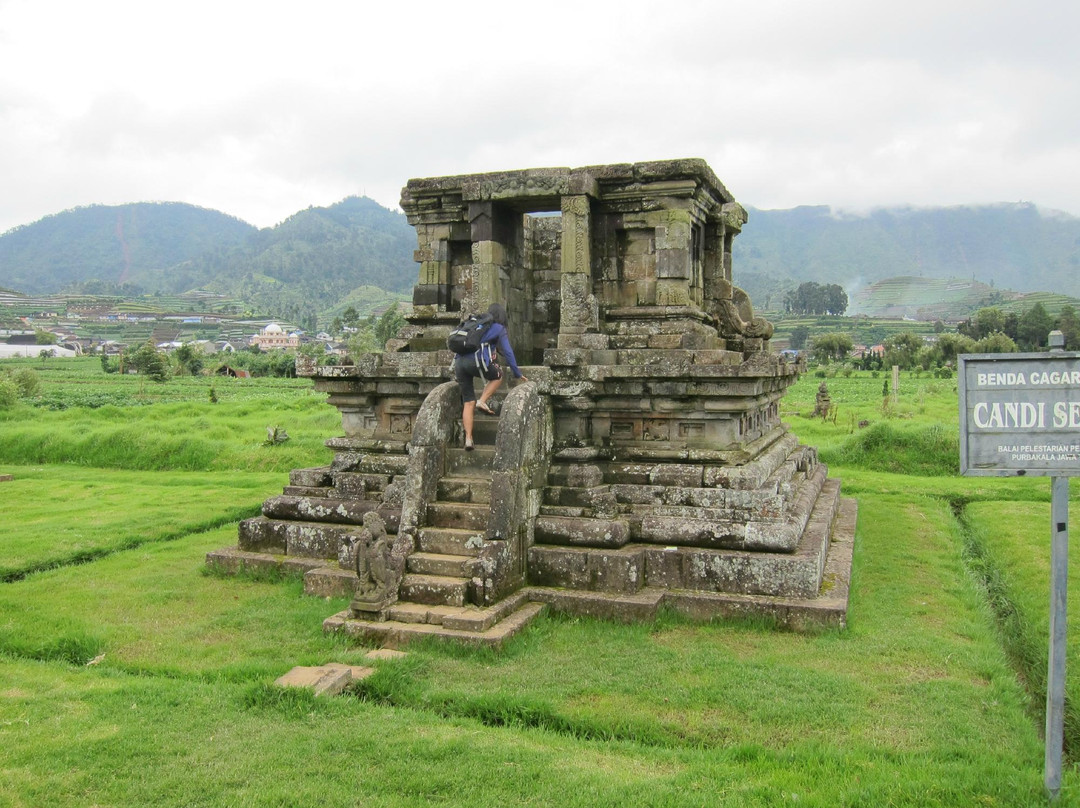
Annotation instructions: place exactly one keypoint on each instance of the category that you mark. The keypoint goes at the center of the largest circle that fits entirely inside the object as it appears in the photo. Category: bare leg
(489, 389)
(467, 420)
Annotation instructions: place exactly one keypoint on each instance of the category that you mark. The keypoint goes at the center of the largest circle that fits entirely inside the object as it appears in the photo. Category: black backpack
(465, 339)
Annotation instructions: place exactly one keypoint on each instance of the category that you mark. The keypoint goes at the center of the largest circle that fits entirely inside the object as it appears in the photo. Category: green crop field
(131, 676)
(862, 330)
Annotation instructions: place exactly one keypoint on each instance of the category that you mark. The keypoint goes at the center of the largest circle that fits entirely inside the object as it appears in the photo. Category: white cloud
(261, 109)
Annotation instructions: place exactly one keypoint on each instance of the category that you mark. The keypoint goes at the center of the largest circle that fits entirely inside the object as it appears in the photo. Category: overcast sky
(261, 109)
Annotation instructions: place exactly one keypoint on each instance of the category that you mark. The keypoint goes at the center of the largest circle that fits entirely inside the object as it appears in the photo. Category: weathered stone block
(311, 477)
(664, 567)
(617, 571)
(676, 474)
(673, 264)
(562, 566)
(258, 535)
(317, 509)
(312, 540)
(672, 292)
(330, 582)
(351, 485)
(577, 475)
(582, 531)
(676, 530)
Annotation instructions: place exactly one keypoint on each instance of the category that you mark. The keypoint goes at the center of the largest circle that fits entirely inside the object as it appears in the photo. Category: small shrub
(930, 451)
(28, 382)
(9, 392)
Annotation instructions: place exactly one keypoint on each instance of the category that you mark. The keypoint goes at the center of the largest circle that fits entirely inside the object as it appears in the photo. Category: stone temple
(643, 465)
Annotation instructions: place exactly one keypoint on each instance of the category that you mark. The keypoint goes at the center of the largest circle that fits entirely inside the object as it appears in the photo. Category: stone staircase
(303, 529)
(436, 594)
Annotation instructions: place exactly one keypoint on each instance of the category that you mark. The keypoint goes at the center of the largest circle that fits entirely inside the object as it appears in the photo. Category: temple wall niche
(625, 263)
(543, 264)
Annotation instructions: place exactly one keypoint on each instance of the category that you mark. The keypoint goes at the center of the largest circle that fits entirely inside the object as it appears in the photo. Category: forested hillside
(308, 264)
(314, 260)
(1007, 246)
(103, 247)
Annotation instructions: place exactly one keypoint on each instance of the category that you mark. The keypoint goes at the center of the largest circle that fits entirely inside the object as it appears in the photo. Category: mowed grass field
(130, 676)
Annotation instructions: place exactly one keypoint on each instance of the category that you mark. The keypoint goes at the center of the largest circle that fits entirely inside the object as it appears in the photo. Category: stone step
(403, 612)
(370, 445)
(461, 515)
(330, 581)
(434, 590)
(358, 485)
(577, 496)
(624, 607)
(423, 563)
(581, 531)
(232, 560)
(737, 501)
(318, 509)
(476, 463)
(374, 463)
(310, 477)
(450, 541)
(306, 539)
(464, 489)
(484, 429)
(563, 510)
(458, 618)
(620, 571)
(394, 633)
(308, 491)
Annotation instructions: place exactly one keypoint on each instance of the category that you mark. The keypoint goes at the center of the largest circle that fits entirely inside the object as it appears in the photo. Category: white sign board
(1020, 414)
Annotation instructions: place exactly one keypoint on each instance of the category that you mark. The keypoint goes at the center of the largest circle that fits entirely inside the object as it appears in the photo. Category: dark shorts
(466, 369)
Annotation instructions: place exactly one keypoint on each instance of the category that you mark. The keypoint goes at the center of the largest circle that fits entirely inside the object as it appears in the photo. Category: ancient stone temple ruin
(643, 465)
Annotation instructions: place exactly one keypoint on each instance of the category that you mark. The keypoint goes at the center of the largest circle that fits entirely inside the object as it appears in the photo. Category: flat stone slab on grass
(324, 680)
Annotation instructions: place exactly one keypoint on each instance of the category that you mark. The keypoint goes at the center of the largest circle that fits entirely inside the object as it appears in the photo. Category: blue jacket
(496, 337)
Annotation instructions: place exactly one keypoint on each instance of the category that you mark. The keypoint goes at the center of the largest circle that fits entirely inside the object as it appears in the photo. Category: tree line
(816, 298)
(1028, 330)
(990, 330)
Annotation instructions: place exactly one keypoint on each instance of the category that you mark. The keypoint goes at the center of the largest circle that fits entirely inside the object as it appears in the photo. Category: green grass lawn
(58, 515)
(1014, 539)
(126, 422)
(921, 701)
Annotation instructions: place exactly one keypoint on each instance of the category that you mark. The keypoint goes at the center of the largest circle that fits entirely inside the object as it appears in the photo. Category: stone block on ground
(324, 680)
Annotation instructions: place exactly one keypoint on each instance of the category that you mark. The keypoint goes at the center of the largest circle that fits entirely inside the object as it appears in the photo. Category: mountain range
(1004, 246)
(306, 266)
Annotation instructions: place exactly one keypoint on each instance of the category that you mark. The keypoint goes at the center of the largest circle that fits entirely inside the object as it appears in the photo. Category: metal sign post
(1055, 675)
(1020, 415)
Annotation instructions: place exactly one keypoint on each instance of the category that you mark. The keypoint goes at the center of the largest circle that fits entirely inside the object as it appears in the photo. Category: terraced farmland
(945, 299)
